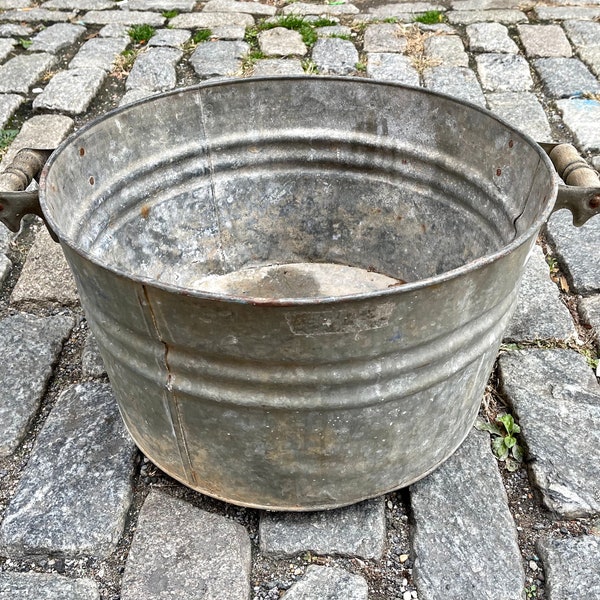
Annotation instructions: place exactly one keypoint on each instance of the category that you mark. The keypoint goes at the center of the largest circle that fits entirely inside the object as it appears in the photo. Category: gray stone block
(91, 361)
(5, 267)
(384, 37)
(6, 237)
(591, 56)
(277, 66)
(582, 117)
(333, 30)
(44, 586)
(252, 8)
(456, 81)
(170, 38)
(503, 73)
(79, 4)
(6, 47)
(328, 583)
(302, 8)
(179, 551)
(583, 33)
(589, 309)
(38, 15)
(45, 277)
(464, 538)
(210, 20)
(56, 38)
(490, 37)
(357, 530)
(12, 29)
(447, 49)
(115, 30)
(29, 347)
(135, 95)
(75, 491)
(560, 13)
(71, 91)
(484, 4)
(154, 70)
(123, 17)
(99, 53)
(21, 72)
(577, 250)
(228, 32)
(401, 8)
(386, 66)
(9, 103)
(9, 4)
(544, 41)
(219, 58)
(540, 315)
(160, 5)
(468, 17)
(335, 56)
(565, 77)
(523, 111)
(280, 41)
(556, 400)
(571, 567)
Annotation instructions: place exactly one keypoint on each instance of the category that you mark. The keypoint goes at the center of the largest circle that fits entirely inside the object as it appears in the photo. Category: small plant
(202, 35)
(324, 22)
(124, 63)
(390, 20)
(310, 67)
(340, 36)
(25, 43)
(140, 34)
(6, 138)
(431, 17)
(504, 442)
(361, 67)
(531, 591)
(170, 14)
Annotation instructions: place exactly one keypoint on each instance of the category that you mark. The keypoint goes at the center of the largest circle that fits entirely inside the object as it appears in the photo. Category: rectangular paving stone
(91, 360)
(387, 66)
(384, 37)
(490, 37)
(210, 20)
(357, 530)
(8, 4)
(46, 586)
(219, 58)
(544, 41)
(46, 277)
(540, 315)
(464, 539)
(583, 33)
(76, 489)
(56, 37)
(455, 81)
(582, 117)
(335, 56)
(228, 32)
(180, 551)
(302, 8)
(448, 49)
(277, 66)
(555, 398)
(523, 111)
(6, 47)
(9, 103)
(328, 583)
(565, 77)
(281, 41)
(484, 4)
(79, 4)
(560, 13)
(21, 72)
(11, 29)
(99, 53)
(154, 70)
(400, 8)
(169, 38)
(115, 30)
(35, 15)
(5, 267)
(71, 91)
(29, 347)
(590, 55)
(503, 73)
(123, 17)
(252, 8)
(577, 250)
(160, 5)
(589, 310)
(571, 567)
(467, 17)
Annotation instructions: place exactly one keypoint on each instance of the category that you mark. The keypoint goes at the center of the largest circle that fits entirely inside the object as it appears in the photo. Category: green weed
(202, 35)
(431, 17)
(504, 441)
(140, 34)
(170, 14)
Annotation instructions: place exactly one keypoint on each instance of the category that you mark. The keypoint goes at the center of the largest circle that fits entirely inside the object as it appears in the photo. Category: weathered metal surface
(314, 398)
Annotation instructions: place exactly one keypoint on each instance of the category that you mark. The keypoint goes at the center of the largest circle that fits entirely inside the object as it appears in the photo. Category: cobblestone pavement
(84, 515)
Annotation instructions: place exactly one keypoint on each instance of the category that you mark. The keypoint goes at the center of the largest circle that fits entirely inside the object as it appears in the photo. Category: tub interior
(227, 187)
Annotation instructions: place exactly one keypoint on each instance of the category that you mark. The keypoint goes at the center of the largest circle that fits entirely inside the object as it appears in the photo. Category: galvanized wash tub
(192, 222)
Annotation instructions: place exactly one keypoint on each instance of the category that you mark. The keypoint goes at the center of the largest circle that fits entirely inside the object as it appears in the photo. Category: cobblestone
(556, 13)
(335, 56)
(252, 8)
(504, 73)
(91, 361)
(9, 103)
(456, 81)
(583, 33)
(210, 20)
(21, 72)
(387, 66)
(328, 583)
(403, 8)
(38, 15)
(219, 58)
(170, 38)
(11, 29)
(56, 38)
(59, 506)
(301, 8)
(123, 17)
(274, 66)
(42, 586)
(154, 70)
(565, 77)
(99, 53)
(589, 309)
(490, 37)
(544, 41)
(161, 5)
(384, 37)
(468, 17)
(6, 47)
(447, 49)
(280, 41)
(582, 117)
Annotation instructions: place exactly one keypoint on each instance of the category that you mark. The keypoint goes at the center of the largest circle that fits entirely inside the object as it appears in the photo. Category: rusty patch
(81, 151)
(498, 172)
(92, 181)
(145, 211)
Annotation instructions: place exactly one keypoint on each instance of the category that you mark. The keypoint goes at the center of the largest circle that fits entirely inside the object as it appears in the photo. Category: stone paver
(402, 8)
(583, 33)
(170, 556)
(540, 314)
(490, 37)
(210, 20)
(387, 66)
(43, 586)
(384, 37)
(565, 77)
(38, 15)
(357, 530)
(21, 72)
(447, 49)
(91, 361)
(504, 73)
(9, 103)
(71, 91)
(29, 347)
(154, 70)
(571, 567)
(544, 41)
(464, 537)
(219, 58)
(13, 29)
(523, 111)
(123, 17)
(589, 309)
(302, 8)
(160, 5)
(280, 41)
(79, 4)
(56, 38)
(252, 8)
(335, 56)
(328, 583)
(99, 53)
(275, 66)
(171, 38)
(582, 117)
(6, 47)
(46, 276)
(76, 489)
(468, 17)
(456, 81)
(555, 13)
(554, 396)
(5, 267)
